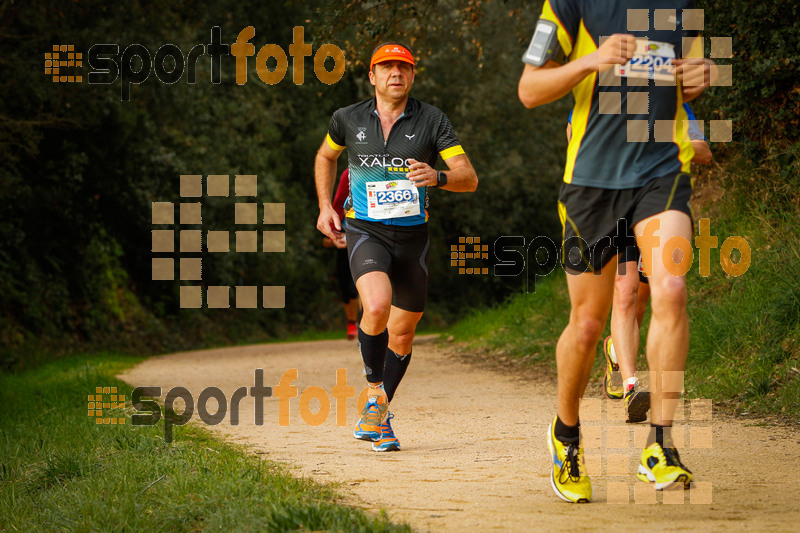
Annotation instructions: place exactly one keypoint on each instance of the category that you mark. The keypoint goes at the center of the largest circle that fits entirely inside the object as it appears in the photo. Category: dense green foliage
(79, 168)
(746, 330)
(764, 100)
(61, 472)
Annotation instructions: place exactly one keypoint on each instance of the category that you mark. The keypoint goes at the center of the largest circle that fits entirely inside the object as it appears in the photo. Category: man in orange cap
(393, 143)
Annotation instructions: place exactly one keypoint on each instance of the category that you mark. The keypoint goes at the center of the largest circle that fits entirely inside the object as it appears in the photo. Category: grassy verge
(745, 350)
(46, 349)
(745, 330)
(526, 326)
(59, 471)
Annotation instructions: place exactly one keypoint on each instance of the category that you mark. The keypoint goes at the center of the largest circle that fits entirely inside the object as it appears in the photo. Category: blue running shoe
(369, 426)
(387, 441)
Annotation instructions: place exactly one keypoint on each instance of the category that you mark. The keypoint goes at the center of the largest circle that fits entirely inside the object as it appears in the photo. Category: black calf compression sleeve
(373, 352)
(394, 370)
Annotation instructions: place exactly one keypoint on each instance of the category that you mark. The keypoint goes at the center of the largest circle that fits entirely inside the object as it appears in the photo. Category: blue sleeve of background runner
(695, 133)
(569, 119)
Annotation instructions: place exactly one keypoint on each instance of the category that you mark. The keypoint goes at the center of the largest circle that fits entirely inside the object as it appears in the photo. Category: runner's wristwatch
(441, 179)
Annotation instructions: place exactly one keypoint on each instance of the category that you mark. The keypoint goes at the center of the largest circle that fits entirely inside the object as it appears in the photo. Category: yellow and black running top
(379, 189)
(623, 124)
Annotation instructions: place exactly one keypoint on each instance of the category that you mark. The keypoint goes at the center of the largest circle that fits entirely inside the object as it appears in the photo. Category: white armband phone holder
(544, 44)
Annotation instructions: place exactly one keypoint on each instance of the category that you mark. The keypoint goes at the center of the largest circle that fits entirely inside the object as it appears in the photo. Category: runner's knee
(587, 331)
(375, 308)
(669, 296)
(402, 339)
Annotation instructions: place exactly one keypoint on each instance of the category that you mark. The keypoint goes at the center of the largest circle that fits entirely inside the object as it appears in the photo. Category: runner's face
(392, 79)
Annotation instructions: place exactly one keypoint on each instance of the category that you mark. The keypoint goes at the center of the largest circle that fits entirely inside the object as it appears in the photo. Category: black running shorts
(400, 251)
(589, 215)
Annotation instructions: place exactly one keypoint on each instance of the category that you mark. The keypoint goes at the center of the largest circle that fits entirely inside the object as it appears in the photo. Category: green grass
(526, 326)
(745, 350)
(40, 352)
(60, 471)
(744, 331)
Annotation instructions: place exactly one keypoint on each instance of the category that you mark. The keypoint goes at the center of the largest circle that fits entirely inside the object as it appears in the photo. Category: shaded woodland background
(79, 168)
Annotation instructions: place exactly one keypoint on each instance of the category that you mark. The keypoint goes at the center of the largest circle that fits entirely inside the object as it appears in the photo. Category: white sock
(612, 353)
(376, 387)
(629, 383)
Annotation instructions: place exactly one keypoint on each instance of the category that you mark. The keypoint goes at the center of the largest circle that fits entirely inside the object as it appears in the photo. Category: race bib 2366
(392, 199)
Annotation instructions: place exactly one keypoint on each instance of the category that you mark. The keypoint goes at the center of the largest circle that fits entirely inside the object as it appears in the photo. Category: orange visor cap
(391, 52)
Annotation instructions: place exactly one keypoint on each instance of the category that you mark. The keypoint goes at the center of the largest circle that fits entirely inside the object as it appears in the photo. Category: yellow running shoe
(568, 478)
(612, 380)
(663, 467)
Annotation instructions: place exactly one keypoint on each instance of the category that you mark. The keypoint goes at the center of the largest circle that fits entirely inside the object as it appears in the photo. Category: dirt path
(474, 451)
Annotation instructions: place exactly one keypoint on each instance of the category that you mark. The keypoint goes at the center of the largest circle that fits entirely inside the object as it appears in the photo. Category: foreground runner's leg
(667, 345)
(394, 369)
(375, 291)
(590, 299)
(402, 325)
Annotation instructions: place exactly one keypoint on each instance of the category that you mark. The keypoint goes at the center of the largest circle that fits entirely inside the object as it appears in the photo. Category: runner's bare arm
(460, 178)
(542, 85)
(325, 176)
(695, 74)
(702, 153)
